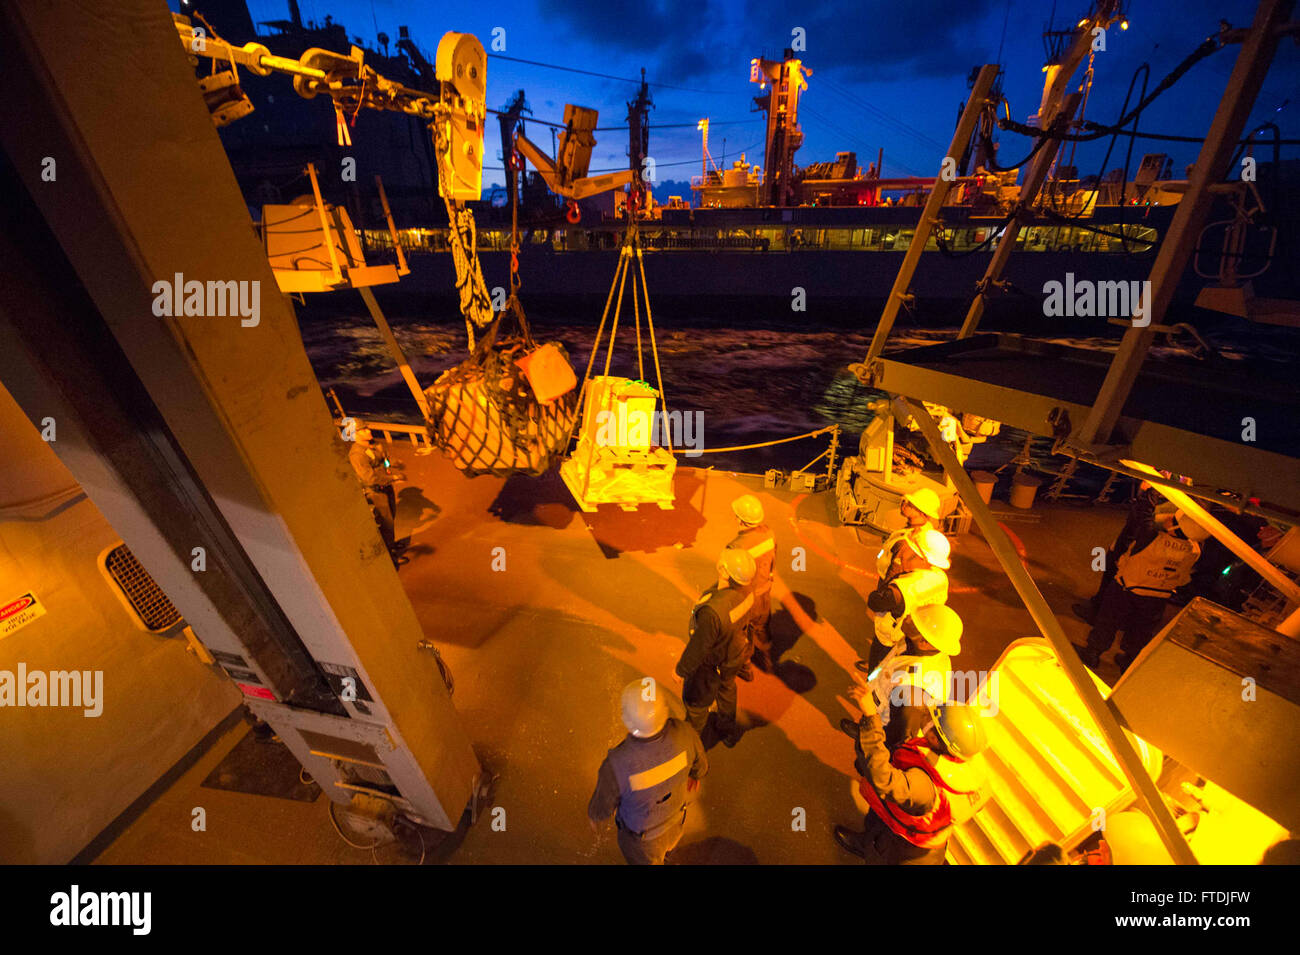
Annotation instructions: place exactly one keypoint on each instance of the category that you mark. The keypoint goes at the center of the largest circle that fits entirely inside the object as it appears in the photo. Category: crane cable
(631, 249)
(475, 302)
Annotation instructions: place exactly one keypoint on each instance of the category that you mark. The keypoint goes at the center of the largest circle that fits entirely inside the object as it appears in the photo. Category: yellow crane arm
(566, 175)
(456, 116)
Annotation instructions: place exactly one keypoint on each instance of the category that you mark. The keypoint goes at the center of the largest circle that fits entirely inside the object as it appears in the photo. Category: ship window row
(1129, 237)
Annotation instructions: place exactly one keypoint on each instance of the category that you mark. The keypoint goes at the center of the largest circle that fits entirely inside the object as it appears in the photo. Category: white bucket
(1023, 489)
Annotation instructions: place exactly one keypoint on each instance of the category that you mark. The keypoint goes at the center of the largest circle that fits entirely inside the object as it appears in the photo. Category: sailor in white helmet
(717, 648)
(756, 538)
(1158, 561)
(645, 780)
(917, 579)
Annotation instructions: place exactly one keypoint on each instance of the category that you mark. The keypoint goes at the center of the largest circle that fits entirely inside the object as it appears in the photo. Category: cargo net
(485, 416)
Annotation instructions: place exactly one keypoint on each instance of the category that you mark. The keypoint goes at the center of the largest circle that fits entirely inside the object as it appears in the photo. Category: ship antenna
(1006, 17)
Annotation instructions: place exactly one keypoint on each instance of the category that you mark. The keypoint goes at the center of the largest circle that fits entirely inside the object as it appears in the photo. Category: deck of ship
(586, 603)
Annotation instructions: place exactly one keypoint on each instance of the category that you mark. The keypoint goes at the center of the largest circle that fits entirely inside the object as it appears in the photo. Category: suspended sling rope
(612, 462)
(768, 444)
(630, 249)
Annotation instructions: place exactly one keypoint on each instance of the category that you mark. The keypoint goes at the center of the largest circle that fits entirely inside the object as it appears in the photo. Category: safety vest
(732, 607)
(931, 829)
(652, 777)
(902, 678)
(886, 558)
(1158, 569)
(920, 588)
(760, 542)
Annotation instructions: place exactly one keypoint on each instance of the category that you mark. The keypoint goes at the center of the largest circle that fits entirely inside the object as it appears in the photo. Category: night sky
(883, 74)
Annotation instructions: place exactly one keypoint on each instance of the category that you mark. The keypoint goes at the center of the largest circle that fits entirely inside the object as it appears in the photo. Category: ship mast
(638, 131)
(781, 103)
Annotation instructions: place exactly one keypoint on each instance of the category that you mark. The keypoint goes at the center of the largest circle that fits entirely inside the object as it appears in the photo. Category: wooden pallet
(626, 478)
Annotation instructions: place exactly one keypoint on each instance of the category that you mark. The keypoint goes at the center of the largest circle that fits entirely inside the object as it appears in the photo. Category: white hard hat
(940, 626)
(1191, 530)
(644, 709)
(925, 501)
(737, 565)
(748, 508)
(931, 545)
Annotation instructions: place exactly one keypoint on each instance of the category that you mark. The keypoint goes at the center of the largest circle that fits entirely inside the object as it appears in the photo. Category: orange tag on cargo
(548, 372)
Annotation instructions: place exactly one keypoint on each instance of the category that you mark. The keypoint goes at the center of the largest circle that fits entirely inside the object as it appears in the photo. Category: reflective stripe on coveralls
(652, 776)
(760, 543)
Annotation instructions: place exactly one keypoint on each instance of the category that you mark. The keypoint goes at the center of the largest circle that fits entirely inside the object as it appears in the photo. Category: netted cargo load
(485, 414)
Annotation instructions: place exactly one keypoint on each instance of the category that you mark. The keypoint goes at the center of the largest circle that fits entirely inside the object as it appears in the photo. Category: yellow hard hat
(925, 501)
(644, 710)
(748, 508)
(737, 565)
(940, 626)
(933, 546)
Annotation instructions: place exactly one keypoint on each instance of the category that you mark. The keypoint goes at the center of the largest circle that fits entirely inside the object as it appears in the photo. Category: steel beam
(144, 194)
(930, 214)
(1213, 463)
(395, 350)
(1034, 180)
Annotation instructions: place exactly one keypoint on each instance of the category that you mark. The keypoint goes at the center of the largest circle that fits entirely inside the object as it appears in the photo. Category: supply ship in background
(749, 234)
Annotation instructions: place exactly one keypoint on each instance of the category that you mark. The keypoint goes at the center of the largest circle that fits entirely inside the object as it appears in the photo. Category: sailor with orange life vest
(1158, 561)
(918, 790)
(911, 564)
(757, 539)
(718, 647)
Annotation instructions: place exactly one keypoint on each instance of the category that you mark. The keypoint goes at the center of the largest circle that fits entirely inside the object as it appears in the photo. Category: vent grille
(141, 591)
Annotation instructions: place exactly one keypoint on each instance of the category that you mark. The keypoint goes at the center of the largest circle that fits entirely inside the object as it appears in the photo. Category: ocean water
(748, 384)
